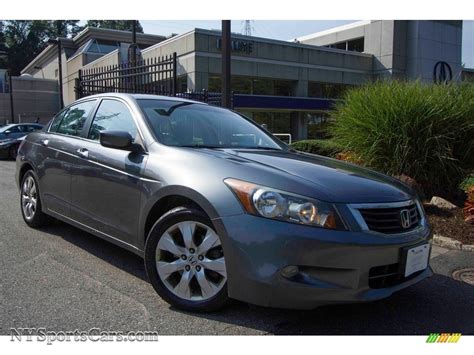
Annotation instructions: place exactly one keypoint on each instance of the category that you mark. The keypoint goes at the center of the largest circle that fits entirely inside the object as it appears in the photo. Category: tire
(185, 263)
(29, 194)
(13, 151)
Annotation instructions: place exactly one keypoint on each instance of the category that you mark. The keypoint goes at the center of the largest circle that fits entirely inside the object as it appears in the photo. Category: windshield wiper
(261, 148)
(202, 146)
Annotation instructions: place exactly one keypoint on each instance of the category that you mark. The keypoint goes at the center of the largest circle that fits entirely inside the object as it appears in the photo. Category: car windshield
(5, 128)
(188, 124)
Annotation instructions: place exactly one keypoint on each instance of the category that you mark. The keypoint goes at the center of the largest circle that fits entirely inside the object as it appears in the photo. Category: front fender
(173, 190)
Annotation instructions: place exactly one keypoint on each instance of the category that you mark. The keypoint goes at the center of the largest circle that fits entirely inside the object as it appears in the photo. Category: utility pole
(247, 28)
(10, 84)
(60, 73)
(134, 42)
(60, 69)
(226, 63)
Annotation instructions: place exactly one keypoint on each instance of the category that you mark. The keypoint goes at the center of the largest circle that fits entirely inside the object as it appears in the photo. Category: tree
(64, 28)
(125, 25)
(24, 40)
(3, 47)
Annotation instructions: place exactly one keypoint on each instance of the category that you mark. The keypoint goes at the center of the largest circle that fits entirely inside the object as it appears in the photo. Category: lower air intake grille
(388, 276)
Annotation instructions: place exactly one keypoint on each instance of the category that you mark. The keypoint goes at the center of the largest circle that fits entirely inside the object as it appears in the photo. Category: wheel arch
(170, 197)
(24, 168)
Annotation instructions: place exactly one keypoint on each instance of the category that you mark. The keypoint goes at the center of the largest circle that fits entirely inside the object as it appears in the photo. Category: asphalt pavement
(62, 279)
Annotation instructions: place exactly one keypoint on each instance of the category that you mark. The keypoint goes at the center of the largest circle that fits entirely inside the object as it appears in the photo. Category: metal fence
(147, 76)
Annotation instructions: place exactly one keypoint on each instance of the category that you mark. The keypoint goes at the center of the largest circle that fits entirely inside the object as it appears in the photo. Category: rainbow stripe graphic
(443, 338)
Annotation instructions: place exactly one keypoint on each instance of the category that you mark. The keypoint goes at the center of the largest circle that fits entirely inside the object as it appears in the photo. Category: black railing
(155, 76)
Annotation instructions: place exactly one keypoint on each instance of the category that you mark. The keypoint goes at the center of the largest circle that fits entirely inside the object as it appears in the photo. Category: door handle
(83, 152)
(45, 142)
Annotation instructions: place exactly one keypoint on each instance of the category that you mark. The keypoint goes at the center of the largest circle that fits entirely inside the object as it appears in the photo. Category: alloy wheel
(29, 198)
(190, 261)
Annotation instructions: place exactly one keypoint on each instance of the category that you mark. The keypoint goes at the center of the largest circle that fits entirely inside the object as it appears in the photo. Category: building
(400, 49)
(33, 99)
(287, 84)
(86, 47)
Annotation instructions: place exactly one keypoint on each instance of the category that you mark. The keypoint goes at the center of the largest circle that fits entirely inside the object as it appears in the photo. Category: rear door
(106, 183)
(58, 148)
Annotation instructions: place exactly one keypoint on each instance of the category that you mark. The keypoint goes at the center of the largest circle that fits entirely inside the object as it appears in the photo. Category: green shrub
(467, 183)
(424, 131)
(325, 147)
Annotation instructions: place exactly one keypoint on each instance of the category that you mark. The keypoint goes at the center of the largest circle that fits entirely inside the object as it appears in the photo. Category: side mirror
(7, 132)
(116, 139)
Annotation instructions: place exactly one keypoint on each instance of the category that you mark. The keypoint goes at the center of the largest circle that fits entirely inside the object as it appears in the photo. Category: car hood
(339, 181)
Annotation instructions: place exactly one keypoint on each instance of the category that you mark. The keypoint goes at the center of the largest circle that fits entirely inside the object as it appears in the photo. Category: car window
(57, 120)
(187, 124)
(13, 129)
(32, 128)
(112, 115)
(5, 128)
(75, 117)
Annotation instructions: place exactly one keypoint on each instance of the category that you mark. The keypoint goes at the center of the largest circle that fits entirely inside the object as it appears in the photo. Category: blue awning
(289, 103)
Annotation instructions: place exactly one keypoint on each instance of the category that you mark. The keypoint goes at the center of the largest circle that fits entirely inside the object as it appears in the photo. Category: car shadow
(438, 304)
(98, 247)
(435, 305)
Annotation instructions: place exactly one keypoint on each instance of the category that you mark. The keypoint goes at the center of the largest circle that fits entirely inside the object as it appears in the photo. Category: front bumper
(334, 266)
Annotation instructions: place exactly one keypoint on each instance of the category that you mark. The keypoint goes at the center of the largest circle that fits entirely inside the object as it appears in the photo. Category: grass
(326, 147)
(420, 130)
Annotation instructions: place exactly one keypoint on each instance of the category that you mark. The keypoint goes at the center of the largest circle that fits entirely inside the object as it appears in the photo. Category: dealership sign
(442, 73)
(237, 46)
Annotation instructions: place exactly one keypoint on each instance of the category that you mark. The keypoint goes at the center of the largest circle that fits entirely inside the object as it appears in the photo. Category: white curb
(451, 243)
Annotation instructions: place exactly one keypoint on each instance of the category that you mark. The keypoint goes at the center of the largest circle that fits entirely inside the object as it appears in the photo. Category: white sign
(417, 259)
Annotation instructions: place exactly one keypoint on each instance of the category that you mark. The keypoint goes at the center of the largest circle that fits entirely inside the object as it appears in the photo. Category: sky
(284, 30)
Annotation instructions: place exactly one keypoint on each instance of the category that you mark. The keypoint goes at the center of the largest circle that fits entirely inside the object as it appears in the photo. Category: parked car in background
(219, 208)
(11, 137)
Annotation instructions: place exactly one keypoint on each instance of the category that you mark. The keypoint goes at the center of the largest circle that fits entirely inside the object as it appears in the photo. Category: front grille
(389, 220)
(388, 276)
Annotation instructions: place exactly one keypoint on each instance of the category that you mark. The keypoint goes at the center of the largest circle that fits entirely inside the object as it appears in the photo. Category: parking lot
(62, 278)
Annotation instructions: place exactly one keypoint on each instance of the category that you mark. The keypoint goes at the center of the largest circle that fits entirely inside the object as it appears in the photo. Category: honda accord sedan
(219, 208)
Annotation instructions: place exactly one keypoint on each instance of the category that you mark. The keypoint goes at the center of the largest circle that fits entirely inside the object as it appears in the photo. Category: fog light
(289, 271)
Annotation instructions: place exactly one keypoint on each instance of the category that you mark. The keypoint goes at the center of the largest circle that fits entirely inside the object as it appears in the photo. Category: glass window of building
(356, 45)
(253, 86)
(182, 83)
(318, 125)
(275, 122)
(102, 46)
(327, 90)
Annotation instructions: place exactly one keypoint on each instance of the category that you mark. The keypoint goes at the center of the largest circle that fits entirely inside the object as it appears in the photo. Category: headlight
(275, 204)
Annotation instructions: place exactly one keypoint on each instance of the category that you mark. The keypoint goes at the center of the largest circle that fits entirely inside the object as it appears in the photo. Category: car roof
(141, 97)
(23, 124)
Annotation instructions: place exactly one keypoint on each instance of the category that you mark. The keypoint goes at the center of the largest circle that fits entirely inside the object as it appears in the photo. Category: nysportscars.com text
(93, 334)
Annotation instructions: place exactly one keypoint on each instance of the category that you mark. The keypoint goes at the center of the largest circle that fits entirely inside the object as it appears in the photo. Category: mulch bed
(450, 224)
